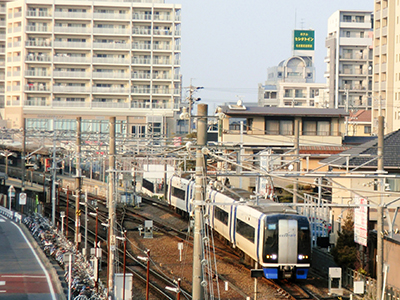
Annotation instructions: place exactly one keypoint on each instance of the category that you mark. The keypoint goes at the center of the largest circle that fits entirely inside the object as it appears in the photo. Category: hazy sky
(227, 46)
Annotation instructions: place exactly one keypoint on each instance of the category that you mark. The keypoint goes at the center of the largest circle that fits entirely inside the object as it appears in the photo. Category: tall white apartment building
(2, 52)
(349, 59)
(386, 64)
(94, 59)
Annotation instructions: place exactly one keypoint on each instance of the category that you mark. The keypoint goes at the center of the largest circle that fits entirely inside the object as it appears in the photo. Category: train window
(304, 244)
(245, 230)
(221, 215)
(179, 193)
(270, 240)
(271, 226)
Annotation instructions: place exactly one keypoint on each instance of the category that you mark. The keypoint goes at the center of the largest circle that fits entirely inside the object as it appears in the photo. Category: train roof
(265, 206)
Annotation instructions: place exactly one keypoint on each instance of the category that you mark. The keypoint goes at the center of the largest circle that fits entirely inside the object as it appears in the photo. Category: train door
(287, 246)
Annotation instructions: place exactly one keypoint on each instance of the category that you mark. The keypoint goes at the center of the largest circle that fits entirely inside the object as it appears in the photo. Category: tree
(345, 251)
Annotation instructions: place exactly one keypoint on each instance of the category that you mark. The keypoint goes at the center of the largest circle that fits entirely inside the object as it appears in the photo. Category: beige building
(93, 59)
(386, 78)
(2, 53)
(349, 59)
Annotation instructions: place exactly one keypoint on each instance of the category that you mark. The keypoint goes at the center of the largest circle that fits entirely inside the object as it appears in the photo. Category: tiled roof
(391, 153)
(361, 115)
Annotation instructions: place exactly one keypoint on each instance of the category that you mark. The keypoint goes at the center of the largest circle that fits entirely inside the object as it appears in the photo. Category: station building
(94, 59)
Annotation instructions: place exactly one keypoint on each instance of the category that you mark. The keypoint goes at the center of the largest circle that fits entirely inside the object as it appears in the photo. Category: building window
(367, 129)
(320, 127)
(360, 19)
(288, 93)
(346, 18)
(299, 93)
(347, 33)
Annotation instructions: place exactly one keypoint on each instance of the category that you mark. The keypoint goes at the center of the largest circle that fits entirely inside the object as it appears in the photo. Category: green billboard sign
(303, 40)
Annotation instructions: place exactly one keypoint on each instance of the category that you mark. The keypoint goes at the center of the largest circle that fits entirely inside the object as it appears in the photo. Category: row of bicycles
(81, 283)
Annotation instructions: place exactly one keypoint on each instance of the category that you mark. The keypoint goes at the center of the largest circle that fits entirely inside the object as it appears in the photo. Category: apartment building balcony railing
(140, 90)
(99, 104)
(58, 44)
(14, 74)
(178, 18)
(13, 103)
(13, 58)
(177, 62)
(2, 90)
(141, 16)
(162, 17)
(140, 75)
(110, 60)
(72, 15)
(102, 30)
(71, 59)
(162, 47)
(141, 61)
(60, 29)
(36, 88)
(98, 89)
(2, 50)
(36, 73)
(113, 75)
(35, 13)
(2, 62)
(140, 104)
(161, 61)
(111, 16)
(38, 43)
(162, 76)
(2, 36)
(141, 46)
(38, 28)
(14, 88)
(70, 104)
(111, 45)
(36, 102)
(2, 77)
(162, 32)
(141, 31)
(70, 89)
(71, 74)
(2, 10)
(2, 23)
(2, 103)
(37, 58)
(17, 29)
(164, 91)
(160, 105)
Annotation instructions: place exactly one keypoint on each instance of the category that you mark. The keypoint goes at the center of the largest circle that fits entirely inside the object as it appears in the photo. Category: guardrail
(12, 215)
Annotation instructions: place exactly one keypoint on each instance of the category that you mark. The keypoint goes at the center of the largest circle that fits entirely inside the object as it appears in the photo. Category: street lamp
(147, 259)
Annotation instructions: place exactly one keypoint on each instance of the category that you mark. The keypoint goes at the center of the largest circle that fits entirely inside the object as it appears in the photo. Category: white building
(349, 59)
(94, 59)
(292, 82)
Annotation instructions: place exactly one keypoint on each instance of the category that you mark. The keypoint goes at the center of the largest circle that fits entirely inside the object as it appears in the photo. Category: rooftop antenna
(295, 18)
(302, 24)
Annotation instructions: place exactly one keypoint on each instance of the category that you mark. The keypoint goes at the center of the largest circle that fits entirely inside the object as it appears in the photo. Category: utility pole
(197, 290)
(111, 209)
(192, 90)
(380, 225)
(347, 111)
(297, 156)
(23, 155)
(53, 187)
(78, 181)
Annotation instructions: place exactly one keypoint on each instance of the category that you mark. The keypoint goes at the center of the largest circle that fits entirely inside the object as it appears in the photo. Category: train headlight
(301, 256)
(272, 256)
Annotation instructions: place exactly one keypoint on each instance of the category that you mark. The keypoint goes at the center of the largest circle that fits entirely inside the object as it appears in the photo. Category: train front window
(270, 242)
(304, 244)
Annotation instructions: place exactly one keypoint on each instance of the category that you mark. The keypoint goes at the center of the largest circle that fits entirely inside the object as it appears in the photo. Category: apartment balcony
(37, 58)
(141, 46)
(110, 104)
(140, 91)
(13, 103)
(111, 31)
(141, 61)
(72, 15)
(68, 30)
(38, 14)
(162, 91)
(2, 77)
(2, 62)
(14, 74)
(14, 29)
(2, 50)
(70, 89)
(177, 62)
(2, 36)
(141, 31)
(110, 60)
(36, 102)
(2, 23)
(162, 77)
(111, 16)
(14, 88)
(36, 73)
(162, 17)
(163, 32)
(71, 59)
(162, 61)
(162, 47)
(110, 75)
(39, 43)
(82, 45)
(38, 29)
(71, 74)
(112, 45)
(70, 104)
(36, 88)
(110, 90)
(141, 16)
(141, 75)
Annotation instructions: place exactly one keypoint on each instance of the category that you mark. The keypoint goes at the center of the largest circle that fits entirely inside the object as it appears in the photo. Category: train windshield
(271, 240)
(304, 237)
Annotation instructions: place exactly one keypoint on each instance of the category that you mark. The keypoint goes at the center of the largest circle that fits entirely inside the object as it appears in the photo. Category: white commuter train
(275, 236)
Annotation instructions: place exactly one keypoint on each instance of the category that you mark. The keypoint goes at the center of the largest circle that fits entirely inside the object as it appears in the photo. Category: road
(22, 274)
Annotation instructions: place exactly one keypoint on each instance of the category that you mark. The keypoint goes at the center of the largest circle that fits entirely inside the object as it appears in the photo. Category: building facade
(93, 59)
(386, 64)
(2, 53)
(349, 59)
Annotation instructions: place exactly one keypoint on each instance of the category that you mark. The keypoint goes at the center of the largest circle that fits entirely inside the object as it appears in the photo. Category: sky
(227, 46)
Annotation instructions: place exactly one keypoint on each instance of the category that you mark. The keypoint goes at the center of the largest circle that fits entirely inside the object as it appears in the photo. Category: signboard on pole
(22, 199)
(303, 40)
(361, 221)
